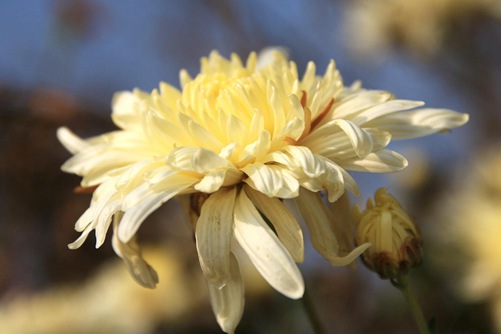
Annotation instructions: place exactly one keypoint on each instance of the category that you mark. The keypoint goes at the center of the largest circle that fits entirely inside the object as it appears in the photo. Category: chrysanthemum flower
(237, 140)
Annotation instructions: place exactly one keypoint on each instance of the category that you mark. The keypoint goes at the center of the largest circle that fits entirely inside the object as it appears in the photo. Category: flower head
(237, 140)
(396, 241)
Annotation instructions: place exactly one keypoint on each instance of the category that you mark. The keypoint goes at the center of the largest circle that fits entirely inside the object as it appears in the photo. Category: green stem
(403, 285)
(309, 307)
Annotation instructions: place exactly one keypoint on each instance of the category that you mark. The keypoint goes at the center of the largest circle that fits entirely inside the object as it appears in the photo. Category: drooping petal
(285, 224)
(130, 253)
(143, 200)
(213, 236)
(318, 219)
(265, 251)
(228, 302)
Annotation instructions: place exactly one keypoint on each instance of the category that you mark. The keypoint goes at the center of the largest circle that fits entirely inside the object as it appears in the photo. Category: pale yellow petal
(130, 253)
(71, 141)
(265, 251)
(228, 302)
(271, 180)
(383, 161)
(213, 236)
(283, 221)
(127, 108)
(419, 123)
(318, 219)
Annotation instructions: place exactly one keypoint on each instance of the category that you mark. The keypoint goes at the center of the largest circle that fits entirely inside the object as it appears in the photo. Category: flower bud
(396, 241)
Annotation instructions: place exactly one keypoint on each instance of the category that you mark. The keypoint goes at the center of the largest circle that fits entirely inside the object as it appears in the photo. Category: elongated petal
(350, 106)
(419, 123)
(265, 251)
(318, 218)
(285, 224)
(386, 108)
(130, 253)
(228, 302)
(213, 236)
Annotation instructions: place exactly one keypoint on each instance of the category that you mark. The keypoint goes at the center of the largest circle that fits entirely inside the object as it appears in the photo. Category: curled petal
(271, 180)
(265, 251)
(213, 236)
(228, 302)
(318, 219)
(360, 139)
(217, 178)
(306, 160)
(130, 253)
(71, 141)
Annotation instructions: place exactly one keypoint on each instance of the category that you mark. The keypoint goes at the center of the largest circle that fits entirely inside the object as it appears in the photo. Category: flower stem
(312, 313)
(403, 285)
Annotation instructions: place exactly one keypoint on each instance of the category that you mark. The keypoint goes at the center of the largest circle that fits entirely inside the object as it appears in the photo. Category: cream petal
(306, 160)
(265, 251)
(283, 221)
(386, 108)
(214, 180)
(332, 180)
(126, 108)
(228, 302)
(200, 135)
(163, 132)
(130, 253)
(85, 219)
(351, 105)
(145, 201)
(317, 217)
(103, 220)
(81, 239)
(360, 139)
(419, 123)
(261, 146)
(71, 141)
(308, 76)
(197, 159)
(205, 160)
(271, 180)
(383, 161)
(269, 56)
(213, 234)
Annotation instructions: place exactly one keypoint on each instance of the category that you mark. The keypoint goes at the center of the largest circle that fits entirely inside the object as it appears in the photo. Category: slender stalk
(403, 285)
(311, 312)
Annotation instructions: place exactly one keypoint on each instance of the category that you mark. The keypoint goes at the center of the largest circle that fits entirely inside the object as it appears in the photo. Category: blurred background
(62, 60)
